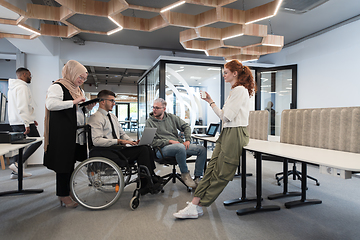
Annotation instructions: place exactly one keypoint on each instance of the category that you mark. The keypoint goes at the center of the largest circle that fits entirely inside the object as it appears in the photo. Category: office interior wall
(327, 68)
(6, 46)
(7, 69)
(45, 70)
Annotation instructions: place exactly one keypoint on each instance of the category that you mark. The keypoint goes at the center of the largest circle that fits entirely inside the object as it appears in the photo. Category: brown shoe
(188, 180)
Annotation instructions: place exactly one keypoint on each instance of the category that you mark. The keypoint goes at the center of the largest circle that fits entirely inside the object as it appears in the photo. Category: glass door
(276, 92)
(124, 115)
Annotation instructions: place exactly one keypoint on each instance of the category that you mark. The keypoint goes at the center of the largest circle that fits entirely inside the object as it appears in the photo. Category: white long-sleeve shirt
(101, 131)
(235, 112)
(20, 103)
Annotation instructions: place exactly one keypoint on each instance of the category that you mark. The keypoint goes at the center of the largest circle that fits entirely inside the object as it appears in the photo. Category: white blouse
(235, 112)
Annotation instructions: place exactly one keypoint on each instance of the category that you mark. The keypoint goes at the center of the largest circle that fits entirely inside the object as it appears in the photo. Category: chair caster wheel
(134, 203)
(279, 184)
(188, 189)
(317, 184)
(162, 191)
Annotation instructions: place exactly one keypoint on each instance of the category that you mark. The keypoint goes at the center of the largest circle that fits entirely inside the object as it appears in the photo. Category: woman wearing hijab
(60, 127)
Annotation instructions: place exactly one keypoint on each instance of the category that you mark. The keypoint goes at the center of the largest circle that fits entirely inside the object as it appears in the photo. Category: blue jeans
(178, 150)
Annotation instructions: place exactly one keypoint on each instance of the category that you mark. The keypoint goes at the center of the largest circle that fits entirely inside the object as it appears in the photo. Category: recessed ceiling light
(172, 6)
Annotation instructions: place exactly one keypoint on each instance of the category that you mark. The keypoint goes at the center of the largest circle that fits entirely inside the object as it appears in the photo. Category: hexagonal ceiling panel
(204, 25)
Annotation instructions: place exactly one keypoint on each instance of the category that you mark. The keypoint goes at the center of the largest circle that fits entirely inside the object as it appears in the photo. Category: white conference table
(8, 147)
(331, 158)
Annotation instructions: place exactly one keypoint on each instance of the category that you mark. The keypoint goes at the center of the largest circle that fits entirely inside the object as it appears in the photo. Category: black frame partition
(293, 103)
(145, 102)
(259, 70)
(154, 79)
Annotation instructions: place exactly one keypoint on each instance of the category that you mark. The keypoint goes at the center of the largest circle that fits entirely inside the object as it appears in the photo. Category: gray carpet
(39, 216)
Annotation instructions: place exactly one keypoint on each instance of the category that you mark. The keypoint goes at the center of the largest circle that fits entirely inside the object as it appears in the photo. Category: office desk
(6, 148)
(243, 198)
(331, 158)
(198, 127)
(205, 139)
(127, 122)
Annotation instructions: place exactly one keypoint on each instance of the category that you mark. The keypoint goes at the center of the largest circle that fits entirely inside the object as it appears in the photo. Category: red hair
(245, 77)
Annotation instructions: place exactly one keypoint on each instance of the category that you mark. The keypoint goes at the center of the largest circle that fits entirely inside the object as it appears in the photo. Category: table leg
(285, 192)
(258, 207)
(303, 200)
(20, 190)
(243, 198)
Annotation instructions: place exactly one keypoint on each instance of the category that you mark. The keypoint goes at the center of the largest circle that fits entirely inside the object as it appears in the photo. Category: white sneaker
(198, 209)
(190, 211)
(13, 175)
(15, 169)
(188, 180)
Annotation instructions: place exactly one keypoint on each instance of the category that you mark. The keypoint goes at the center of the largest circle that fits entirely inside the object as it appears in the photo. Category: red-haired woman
(234, 135)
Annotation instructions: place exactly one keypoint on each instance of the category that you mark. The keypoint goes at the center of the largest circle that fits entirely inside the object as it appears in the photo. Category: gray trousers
(223, 164)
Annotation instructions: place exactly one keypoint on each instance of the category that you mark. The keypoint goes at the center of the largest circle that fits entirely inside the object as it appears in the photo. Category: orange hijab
(70, 72)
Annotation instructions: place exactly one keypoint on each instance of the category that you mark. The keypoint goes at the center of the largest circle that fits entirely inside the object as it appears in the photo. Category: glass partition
(153, 82)
(141, 105)
(183, 83)
(277, 92)
(180, 83)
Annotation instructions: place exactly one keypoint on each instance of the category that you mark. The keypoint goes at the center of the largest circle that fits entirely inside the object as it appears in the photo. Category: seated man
(171, 144)
(109, 139)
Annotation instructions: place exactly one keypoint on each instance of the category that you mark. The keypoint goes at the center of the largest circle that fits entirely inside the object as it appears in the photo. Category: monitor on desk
(211, 131)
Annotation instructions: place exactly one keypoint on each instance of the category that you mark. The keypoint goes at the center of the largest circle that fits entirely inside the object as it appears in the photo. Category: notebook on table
(211, 130)
(146, 138)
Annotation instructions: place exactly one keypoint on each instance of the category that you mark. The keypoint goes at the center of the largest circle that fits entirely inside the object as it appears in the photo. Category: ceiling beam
(43, 12)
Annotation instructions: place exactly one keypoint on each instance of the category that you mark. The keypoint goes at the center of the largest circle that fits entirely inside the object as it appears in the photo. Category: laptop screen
(212, 129)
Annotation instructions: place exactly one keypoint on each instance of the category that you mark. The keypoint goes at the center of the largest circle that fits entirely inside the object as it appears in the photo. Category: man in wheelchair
(110, 141)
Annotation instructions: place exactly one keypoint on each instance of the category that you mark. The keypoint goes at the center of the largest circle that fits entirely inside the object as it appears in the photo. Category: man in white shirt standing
(21, 114)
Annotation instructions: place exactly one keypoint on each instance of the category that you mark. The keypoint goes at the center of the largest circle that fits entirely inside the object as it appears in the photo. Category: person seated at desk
(171, 144)
(107, 132)
(234, 136)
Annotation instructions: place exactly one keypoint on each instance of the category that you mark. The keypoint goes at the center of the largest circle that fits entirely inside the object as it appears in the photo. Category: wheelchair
(98, 182)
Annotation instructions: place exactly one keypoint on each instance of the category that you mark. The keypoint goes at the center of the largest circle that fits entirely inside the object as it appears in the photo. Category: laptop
(211, 130)
(146, 138)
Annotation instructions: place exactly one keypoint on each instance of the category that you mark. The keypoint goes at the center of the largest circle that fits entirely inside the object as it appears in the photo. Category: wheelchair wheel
(134, 203)
(97, 183)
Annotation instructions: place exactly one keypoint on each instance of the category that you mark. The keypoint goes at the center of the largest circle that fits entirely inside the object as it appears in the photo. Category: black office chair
(296, 175)
(133, 126)
(169, 161)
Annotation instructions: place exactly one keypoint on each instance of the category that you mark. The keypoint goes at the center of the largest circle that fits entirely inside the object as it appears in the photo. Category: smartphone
(202, 94)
